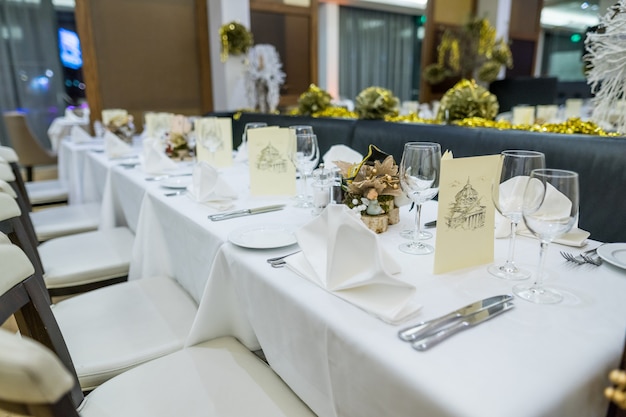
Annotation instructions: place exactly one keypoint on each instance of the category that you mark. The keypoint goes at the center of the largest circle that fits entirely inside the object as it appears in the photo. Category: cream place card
(214, 141)
(466, 214)
(269, 158)
(157, 124)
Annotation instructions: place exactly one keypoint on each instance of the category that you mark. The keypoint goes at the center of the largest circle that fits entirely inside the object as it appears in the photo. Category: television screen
(69, 46)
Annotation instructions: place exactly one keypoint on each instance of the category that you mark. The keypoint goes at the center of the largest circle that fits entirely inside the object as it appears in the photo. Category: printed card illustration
(270, 152)
(158, 124)
(214, 141)
(465, 221)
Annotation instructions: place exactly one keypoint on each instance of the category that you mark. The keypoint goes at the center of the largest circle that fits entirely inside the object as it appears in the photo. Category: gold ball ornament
(236, 39)
(375, 103)
(467, 99)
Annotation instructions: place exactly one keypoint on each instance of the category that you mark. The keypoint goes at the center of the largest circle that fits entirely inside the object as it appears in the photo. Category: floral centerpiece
(177, 141)
(122, 126)
(371, 188)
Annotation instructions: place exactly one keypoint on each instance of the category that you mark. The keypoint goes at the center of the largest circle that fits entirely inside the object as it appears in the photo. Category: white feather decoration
(606, 52)
(264, 77)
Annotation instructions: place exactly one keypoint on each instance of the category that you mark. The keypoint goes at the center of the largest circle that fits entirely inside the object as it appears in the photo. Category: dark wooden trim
(204, 56)
(279, 8)
(77, 289)
(314, 41)
(83, 13)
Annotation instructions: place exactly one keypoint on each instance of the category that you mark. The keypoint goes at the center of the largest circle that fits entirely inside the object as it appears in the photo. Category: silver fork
(582, 258)
(571, 258)
(590, 259)
(279, 261)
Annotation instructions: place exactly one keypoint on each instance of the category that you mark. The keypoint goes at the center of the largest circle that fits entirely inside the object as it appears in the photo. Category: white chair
(31, 154)
(218, 378)
(113, 329)
(82, 261)
(54, 221)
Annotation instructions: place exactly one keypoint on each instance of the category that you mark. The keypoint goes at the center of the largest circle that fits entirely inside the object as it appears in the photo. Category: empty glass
(550, 210)
(419, 179)
(305, 157)
(507, 193)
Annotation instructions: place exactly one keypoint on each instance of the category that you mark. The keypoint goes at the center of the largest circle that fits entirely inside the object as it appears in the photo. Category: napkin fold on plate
(514, 189)
(341, 153)
(340, 254)
(208, 188)
(155, 161)
(79, 135)
(114, 147)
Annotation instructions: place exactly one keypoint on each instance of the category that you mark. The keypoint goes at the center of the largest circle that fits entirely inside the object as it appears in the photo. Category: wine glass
(305, 157)
(299, 130)
(550, 210)
(507, 192)
(248, 126)
(419, 179)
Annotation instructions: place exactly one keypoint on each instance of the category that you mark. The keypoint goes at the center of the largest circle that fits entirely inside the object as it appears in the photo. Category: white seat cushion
(115, 328)
(40, 192)
(65, 220)
(29, 373)
(219, 378)
(86, 257)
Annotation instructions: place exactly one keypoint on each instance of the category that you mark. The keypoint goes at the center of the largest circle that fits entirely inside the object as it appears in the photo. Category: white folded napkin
(115, 147)
(208, 188)
(514, 189)
(341, 255)
(155, 161)
(341, 153)
(79, 135)
(242, 153)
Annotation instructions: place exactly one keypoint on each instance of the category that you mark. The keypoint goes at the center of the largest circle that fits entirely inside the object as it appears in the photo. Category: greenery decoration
(376, 103)
(467, 99)
(313, 100)
(236, 39)
(471, 51)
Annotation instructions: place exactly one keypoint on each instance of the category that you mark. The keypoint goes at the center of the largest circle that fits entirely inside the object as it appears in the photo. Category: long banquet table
(537, 360)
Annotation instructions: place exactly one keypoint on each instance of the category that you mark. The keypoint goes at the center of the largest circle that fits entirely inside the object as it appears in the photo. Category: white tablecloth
(537, 360)
(77, 173)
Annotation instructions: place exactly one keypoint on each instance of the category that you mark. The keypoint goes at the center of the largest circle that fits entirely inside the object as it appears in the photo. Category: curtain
(376, 49)
(31, 77)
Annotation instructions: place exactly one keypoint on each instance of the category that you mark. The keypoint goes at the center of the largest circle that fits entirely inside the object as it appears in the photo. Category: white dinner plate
(613, 253)
(177, 183)
(263, 236)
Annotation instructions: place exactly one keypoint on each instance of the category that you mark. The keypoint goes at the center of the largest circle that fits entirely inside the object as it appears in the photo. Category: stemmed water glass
(507, 192)
(301, 130)
(550, 210)
(250, 125)
(305, 157)
(419, 179)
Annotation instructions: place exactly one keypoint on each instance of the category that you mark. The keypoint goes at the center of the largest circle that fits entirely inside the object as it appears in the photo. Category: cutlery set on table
(427, 334)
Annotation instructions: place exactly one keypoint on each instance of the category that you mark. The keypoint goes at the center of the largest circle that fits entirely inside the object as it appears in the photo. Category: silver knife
(429, 341)
(165, 176)
(245, 212)
(428, 327)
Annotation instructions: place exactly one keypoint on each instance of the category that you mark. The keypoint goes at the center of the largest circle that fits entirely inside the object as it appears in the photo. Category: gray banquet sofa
(600, 161)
